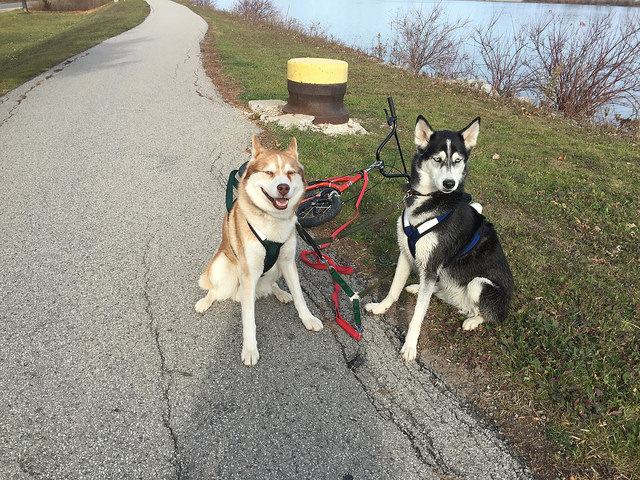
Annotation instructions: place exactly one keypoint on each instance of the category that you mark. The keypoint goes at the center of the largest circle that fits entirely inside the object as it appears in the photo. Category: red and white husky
(259, 242)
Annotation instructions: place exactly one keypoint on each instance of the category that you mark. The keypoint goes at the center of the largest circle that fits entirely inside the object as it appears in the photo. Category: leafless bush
(504, 57)
(317, 31)
(204, 3)
(314, 31)
(379, 49)
(256, 10)
(582, 68)
(427, 41)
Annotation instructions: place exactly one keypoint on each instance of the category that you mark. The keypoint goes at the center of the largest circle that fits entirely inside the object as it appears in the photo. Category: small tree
(427, 40)
(582, 68)
(256, 10)
(25, 8)
(504, 57)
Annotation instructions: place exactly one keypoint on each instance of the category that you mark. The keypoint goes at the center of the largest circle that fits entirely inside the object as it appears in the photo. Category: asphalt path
(112, 171)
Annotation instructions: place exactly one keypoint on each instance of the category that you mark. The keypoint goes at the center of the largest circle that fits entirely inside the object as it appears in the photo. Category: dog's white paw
(250, 355)
(312, 323)
(409, 352)
(376, 308)
(412, 289)
(202, 305)
(281, 295)
(472, 323)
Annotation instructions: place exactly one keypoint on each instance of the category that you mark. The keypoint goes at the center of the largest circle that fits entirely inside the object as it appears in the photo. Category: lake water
(358, 23)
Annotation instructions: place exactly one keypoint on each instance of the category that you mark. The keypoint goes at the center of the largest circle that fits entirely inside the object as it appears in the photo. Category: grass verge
(565, 199)
(31, 43)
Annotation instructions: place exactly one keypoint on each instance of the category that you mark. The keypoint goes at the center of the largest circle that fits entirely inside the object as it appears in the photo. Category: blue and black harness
(415, 233)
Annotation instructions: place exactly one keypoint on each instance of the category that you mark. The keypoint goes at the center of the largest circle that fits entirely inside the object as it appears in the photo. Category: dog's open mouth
(280, 203)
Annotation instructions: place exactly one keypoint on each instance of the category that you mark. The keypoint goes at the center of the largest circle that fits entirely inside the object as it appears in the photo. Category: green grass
(31, 43)
(565, 200)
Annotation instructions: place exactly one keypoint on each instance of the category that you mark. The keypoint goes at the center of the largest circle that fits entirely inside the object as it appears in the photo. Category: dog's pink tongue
(280, 203)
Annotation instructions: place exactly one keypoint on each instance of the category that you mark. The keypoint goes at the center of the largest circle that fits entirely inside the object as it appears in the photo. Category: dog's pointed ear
(423, 132)
(256, 147)
(470, 134)
(293, 147)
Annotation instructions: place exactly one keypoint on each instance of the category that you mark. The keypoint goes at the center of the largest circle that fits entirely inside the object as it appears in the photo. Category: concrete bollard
(317, 87)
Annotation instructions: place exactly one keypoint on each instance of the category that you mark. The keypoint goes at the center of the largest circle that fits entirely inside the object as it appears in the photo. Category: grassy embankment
(565, 200)
(31, 43)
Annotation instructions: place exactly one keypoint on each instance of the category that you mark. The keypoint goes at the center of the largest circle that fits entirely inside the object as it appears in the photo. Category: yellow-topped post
(317, 87)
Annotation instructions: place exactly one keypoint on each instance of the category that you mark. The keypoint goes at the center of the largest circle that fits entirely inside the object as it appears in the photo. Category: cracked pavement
(112, 171)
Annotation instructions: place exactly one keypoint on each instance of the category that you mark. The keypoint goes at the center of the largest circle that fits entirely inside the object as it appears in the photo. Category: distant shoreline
(613, 3)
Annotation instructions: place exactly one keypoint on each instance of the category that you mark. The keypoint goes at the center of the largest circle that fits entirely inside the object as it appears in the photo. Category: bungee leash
(325, 263)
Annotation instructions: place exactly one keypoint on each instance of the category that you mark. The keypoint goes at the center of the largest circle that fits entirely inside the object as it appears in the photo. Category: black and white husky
(445, 238)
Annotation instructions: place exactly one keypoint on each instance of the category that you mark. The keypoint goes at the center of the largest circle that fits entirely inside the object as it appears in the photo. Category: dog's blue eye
(437, 159)
(268, 173)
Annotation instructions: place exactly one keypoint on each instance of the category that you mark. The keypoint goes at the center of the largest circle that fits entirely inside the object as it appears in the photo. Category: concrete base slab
(271, 111)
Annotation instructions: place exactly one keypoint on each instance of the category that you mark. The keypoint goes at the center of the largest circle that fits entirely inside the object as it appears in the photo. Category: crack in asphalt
(23, 97)
(429, 458)
(399, 403)
(353, 362)
(196, 81)
(166, 375)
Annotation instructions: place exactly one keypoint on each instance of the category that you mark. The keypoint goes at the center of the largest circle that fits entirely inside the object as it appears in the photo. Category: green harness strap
(272, 249)
(232, 184)
(354, 297)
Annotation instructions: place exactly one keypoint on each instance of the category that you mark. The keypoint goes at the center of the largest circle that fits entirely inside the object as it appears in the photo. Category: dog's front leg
(248, 284)
(410, 348)
(290, 274)
(403, 269)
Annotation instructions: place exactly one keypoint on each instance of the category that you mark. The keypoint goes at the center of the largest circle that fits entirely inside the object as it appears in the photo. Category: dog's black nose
(449, 184)
(283, 189)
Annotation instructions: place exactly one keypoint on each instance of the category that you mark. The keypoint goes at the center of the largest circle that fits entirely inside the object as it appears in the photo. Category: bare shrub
(317, 31)
(582, 68)
(314, 31)
(504, 57)
(256, 10)
(379, 49)
(427, 41)
(204, 3)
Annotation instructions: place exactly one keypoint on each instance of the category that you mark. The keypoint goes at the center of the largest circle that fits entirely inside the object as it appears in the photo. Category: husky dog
(259, 242)
(455, 251)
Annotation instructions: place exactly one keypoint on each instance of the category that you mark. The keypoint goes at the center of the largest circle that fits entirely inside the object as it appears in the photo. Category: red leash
(365, 181)
(324, 263)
